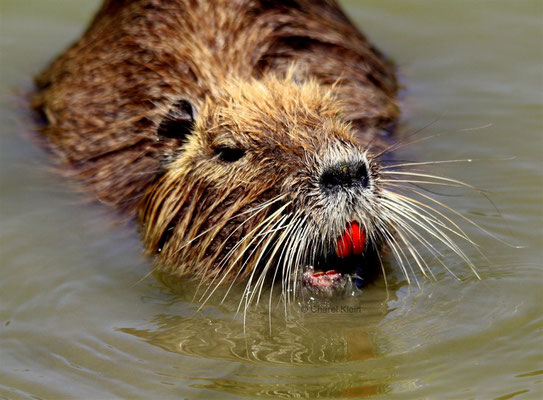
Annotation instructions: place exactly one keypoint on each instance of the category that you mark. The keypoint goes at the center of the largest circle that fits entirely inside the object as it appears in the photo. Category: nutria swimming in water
(246, 136)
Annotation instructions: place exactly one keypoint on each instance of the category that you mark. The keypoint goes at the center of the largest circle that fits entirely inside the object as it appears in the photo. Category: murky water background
(77, 322)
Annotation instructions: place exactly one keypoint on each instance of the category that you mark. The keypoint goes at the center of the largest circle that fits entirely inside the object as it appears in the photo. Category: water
(77, 321)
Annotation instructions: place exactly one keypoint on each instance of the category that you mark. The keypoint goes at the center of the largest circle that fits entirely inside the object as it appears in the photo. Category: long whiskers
(251, 237)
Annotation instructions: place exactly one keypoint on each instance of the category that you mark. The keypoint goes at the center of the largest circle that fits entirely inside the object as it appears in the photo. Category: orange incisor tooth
(358, 238)
(353, 241)
(344, 246)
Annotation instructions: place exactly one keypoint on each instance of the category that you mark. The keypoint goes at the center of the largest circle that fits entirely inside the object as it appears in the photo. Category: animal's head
(271, 182)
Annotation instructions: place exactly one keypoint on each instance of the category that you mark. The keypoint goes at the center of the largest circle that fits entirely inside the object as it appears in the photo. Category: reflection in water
(287, 344)
(306, 333)
(310, 335)
(327, 387)
(290, 343)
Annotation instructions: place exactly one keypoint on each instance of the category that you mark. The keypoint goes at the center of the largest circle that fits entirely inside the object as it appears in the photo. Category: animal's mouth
(340, 272)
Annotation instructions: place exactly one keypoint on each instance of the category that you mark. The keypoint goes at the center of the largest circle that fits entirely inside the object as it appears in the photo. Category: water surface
(78, 321)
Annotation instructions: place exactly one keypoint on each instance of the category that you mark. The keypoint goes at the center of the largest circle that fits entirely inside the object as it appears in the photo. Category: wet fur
(293, 83)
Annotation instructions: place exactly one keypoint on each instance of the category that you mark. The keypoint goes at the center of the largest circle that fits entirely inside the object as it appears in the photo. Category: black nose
(345, 175)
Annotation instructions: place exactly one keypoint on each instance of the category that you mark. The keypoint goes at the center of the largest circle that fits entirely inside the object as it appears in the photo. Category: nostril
(345, 175)
(361, 174)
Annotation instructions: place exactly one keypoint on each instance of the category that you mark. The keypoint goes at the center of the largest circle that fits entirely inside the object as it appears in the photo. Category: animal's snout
(344, 175)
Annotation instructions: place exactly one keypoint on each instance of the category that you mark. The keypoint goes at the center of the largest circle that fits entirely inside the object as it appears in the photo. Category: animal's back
(106, 98)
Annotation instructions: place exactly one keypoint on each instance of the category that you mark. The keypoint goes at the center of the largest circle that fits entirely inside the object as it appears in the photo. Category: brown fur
(279, 79)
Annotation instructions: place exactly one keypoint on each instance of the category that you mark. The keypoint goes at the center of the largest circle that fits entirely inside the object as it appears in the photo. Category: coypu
(246, 136)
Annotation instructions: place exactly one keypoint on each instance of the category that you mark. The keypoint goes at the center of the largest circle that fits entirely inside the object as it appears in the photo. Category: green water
(77, 322)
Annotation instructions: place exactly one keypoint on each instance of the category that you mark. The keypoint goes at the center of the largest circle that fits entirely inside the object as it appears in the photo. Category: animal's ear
(179, 121)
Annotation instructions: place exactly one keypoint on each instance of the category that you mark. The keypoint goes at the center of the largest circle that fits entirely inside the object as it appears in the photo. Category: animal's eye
(179, 121)
(229, 154)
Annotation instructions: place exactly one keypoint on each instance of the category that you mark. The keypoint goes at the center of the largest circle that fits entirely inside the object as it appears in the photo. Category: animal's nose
(345, 175)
